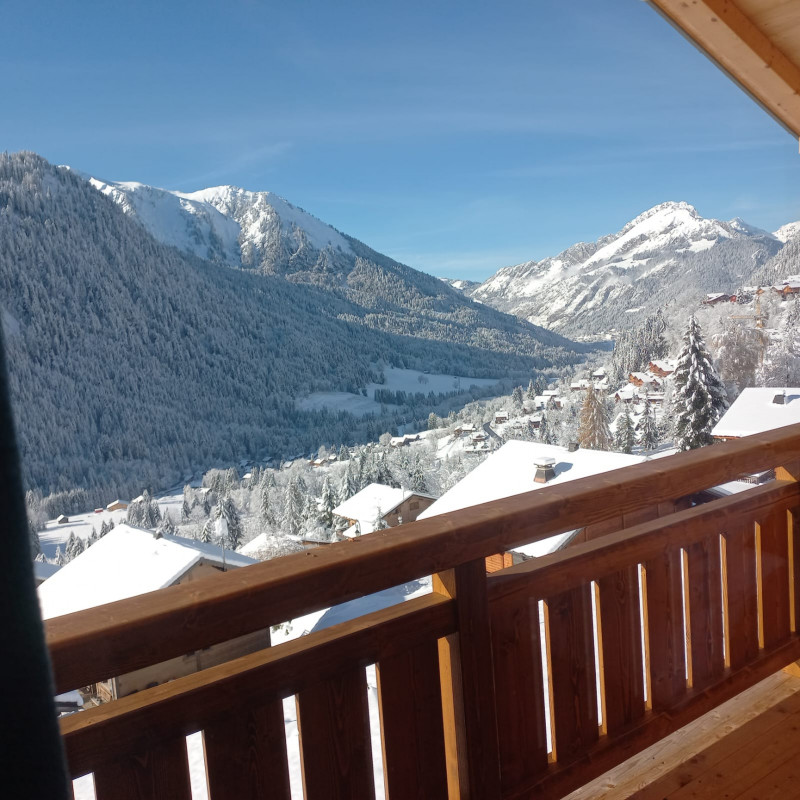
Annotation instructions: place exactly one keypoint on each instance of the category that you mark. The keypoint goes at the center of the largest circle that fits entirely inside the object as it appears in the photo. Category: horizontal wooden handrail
(137, 722)
(154, 627)
(566, 569)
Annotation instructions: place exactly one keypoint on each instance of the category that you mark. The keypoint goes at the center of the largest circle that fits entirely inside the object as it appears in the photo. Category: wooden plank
(471, 733)
(574, 565)
(666, 640)
(158, 773)
(110, 731)
(154, 627)
(705, 611)
(335, 750)
(737, 763)
(516, 646)
(774, 578)
(246, 755)
(412, 733)
(725, 33)
(689, 747)
(608, 752)
(623, 677)
(742, 613)
(572, 672)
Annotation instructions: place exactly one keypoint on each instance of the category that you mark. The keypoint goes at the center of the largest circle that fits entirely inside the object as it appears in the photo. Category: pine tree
(624, 437)
(380, 523)
(265, 505)
(227, 510)
(167, 526)
(185, 511)
(59, 557)
(433, 421)
(516, 396)
(593, 431)
(649, 434)
(36, 545)
(104, 529)
(328, 503)
(531, 393)
(699, 395)
(293, 509)
(207, 533)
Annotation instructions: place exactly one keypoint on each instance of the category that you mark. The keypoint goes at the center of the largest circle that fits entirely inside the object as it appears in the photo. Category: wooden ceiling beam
(730, 38)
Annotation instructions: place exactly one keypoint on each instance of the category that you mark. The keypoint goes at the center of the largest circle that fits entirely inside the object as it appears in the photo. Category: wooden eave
(756, 42)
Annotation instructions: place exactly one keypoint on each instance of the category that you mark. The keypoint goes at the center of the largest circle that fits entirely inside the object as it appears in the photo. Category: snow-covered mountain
(225, 224)
(667, 256)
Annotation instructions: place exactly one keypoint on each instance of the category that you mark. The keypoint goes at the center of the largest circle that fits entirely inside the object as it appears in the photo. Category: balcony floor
(747, 749)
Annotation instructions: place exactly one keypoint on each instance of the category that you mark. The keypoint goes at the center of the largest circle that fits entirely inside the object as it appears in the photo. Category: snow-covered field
(406, 380)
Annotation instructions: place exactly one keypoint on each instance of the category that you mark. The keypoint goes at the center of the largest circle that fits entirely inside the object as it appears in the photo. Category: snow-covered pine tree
(59, 557)
(380, 523)
(167, 526)
(516, 396)
(185, 511)
(293, 509)
(207, 533)
(531, 393)
(700, 398)
(36, 545)
(226, 509)
(624, 436)
(328, 503)
(265, 511)
(104, 529)
(593, 430)
(649, 431)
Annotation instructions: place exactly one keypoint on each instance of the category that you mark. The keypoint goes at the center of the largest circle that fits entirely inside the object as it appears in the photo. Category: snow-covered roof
(365, 505)
(754, 411)
(667, 364)
(126, 562)
(510, 471)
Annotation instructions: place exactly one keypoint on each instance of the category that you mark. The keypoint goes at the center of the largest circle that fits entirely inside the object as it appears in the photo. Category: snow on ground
(81, 525)
(406, 380)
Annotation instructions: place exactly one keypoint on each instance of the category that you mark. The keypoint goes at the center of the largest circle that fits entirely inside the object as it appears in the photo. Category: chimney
(545, 470)
(572, 447)
(780, 399)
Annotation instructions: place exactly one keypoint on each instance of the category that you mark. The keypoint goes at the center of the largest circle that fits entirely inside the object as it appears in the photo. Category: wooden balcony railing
(600, 649)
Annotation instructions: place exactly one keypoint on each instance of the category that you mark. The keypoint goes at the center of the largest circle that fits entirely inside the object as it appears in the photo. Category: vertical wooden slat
(742, 612)
(161, 773)
(705, 611)
(521, 726)
(411, 724)
(468, 688)
(246, 755)
(573, 671)
(774, 578)
(622, 648)
(335, 751)
(665, 634)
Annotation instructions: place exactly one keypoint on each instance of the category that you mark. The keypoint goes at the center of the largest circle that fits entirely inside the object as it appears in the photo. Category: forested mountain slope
(132, 361)
(668, 257)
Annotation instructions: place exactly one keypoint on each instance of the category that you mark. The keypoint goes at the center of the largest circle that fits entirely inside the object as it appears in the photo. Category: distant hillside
(667, 258)
(133, 361)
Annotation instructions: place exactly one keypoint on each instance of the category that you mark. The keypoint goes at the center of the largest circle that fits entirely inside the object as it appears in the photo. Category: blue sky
(457, 137)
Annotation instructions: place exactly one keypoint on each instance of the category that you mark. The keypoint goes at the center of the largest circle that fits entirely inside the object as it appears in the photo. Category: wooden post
(791, 472)
(468, 690)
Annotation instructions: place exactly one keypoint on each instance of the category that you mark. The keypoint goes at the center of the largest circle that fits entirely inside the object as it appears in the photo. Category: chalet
(790, 288)
(599, 374)
(519, 467)
(466, 427)
(500, 417)
(663, 368)
(130, 561)
(715, 299)
(63, 519)
(644, 380)
(392, 506)
(117, 505)
(757, 410)
(480, 436)
(405, 440)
